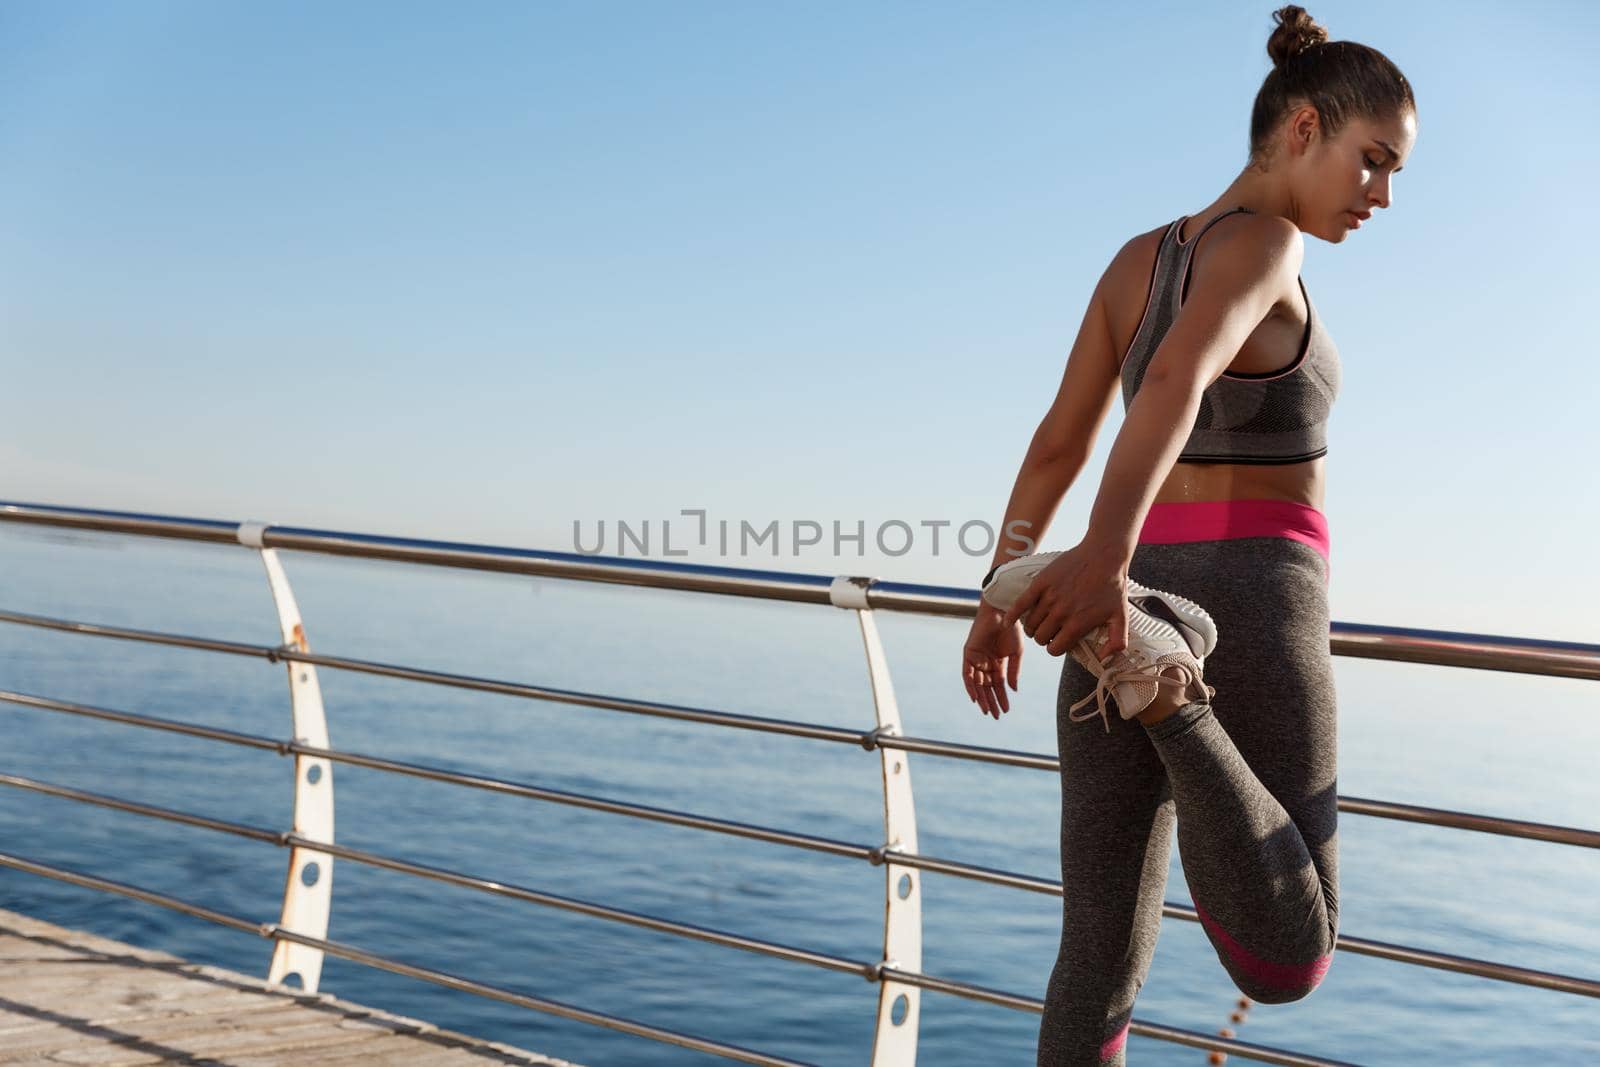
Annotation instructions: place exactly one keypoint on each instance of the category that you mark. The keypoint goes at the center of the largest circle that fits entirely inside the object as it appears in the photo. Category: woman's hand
(1080, 589)
(989, 659)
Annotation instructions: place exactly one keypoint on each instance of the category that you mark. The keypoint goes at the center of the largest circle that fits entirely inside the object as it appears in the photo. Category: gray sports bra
(1277, 416)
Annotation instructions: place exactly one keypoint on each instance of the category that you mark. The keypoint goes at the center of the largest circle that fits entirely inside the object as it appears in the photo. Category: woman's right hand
(991, 658)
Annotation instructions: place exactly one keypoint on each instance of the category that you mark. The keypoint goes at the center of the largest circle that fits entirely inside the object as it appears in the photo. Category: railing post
(894, 1042)
(308, 884)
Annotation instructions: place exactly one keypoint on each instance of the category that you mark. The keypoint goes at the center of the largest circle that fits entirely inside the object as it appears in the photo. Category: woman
(1213, 492)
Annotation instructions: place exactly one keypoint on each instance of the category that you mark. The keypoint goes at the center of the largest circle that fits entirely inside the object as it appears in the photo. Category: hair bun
(1296, 32)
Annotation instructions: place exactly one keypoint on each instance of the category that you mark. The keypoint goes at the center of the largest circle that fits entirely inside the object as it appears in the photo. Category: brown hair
(1341, 79)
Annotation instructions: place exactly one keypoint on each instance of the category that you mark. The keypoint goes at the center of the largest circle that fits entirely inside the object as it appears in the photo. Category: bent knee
(1270, 995)
(1265, 979)
(1282, 983)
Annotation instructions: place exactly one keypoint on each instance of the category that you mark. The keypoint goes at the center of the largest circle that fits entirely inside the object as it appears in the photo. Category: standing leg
(1253, 773)
(1116, 840)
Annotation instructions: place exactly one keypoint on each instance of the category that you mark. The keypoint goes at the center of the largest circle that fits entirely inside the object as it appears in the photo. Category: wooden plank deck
(68, 997)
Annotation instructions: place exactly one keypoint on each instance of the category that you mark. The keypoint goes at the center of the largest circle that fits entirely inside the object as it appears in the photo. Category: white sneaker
(1133, 675)
(1193, 623)
(1005, 583)
(1164, 630)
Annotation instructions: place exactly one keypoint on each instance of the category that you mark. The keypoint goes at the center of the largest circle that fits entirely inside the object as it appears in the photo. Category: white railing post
(308, 885)
(894, 1042)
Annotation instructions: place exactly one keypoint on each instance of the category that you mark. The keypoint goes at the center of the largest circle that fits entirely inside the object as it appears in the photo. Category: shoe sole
(1006, 583)
(1193, 623)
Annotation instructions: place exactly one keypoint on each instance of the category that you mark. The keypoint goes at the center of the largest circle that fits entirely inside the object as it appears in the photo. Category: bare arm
(1061, 445)
(1254, 263)
(1258, 259)
(992, 654)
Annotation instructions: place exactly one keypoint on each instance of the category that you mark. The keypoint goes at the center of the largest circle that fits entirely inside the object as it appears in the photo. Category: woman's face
(1341, 180)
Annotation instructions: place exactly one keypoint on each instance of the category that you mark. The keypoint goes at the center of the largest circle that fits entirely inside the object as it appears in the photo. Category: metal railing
(299, 936)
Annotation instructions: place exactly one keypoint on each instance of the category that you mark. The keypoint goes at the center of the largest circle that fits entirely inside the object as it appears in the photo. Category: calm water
(1471, 740)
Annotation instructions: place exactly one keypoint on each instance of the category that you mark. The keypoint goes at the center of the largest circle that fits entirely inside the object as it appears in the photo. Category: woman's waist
(1211, 482)
(1173, 521)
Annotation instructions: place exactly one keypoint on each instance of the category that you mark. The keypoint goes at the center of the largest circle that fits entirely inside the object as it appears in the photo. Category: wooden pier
(68, 997)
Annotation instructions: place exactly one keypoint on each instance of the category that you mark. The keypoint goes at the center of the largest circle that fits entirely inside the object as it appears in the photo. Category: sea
(1484, 742)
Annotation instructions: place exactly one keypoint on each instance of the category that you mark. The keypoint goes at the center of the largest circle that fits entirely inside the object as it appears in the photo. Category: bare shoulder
(1248, 248)
(1125, 285)
(1136, 258)
(1242, 268)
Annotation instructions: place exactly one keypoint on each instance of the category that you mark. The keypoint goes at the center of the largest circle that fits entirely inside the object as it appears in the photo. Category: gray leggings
(1249, 779)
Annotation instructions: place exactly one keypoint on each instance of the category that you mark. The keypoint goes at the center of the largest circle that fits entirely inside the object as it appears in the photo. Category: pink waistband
(1219, 520)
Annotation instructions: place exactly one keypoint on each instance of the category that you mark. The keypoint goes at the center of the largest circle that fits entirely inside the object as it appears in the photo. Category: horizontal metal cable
(350, 952)
(551, 1007)
(973, 872)
(358, 955)
(881, 854)
(600, 911)
(1363, 946)
(128, 633)
(1563, 835)
(866, 739)
(1444, 961)
(581, 800)
(681, 712)
(1344, 943)
(1482, 651)
(863, 969)
(870, 971)
(474, 781)
(239, 829)
(1192, 1038)
(1460, 820)
(89, 881)
(1010, 757)
(149, 722)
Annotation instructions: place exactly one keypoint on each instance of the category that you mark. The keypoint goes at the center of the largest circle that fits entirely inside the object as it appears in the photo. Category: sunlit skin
(1328, 187)
(1316, 183)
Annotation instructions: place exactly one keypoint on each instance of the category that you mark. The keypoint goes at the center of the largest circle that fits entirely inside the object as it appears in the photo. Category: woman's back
(1140, 308)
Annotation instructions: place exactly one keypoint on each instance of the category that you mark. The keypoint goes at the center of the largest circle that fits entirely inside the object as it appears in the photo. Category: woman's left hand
(1080, 589)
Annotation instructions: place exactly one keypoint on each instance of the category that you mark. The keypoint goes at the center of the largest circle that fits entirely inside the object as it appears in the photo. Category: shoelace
(1124, 666)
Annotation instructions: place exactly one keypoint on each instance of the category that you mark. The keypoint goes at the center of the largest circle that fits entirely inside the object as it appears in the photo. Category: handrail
(1522, 655)
(895, 1042)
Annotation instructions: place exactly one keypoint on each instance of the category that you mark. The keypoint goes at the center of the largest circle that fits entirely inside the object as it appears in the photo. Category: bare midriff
(1300, 482)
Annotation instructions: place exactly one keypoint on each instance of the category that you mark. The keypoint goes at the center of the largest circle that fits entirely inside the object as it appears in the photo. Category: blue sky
(480, 271)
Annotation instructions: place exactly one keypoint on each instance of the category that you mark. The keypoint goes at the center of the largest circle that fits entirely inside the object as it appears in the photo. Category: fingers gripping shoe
(1164, 630)
(1005, 583)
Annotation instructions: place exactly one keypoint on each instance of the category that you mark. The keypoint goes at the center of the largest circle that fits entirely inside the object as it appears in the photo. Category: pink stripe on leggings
(1172, 522)
(1114, 1044)
(1286, 976)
